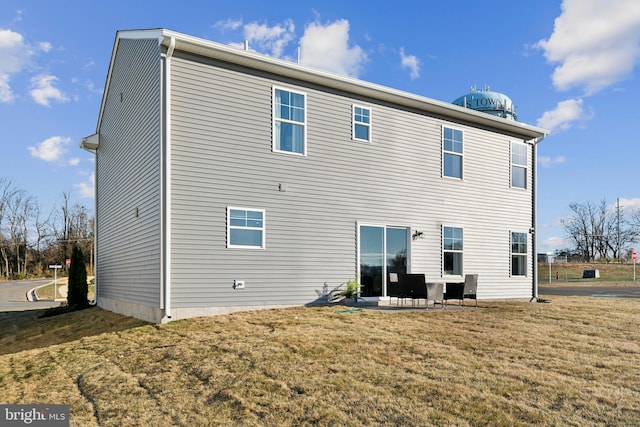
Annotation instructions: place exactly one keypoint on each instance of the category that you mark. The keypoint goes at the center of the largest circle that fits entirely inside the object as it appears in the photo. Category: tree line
(31, 240)
(600, 232)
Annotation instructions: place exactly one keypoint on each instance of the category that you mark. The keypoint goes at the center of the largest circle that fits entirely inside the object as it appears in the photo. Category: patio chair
(393, 286)
(415, 288)
(435, 294)
(470, 288)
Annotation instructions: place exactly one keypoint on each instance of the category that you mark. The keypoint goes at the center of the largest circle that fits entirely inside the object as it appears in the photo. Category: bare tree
(74, 226)
(29, 240)
(6, 194)
(43, 236)
(598, 231)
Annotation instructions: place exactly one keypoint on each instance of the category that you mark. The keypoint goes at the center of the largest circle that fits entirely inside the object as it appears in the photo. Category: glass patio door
(382, 250)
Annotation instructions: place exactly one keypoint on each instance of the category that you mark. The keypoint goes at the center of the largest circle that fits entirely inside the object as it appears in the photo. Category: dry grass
(47, 292)
(572, 362)
(573, 271)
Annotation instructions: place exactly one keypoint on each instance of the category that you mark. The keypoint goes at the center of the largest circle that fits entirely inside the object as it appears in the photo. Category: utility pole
(618, 242)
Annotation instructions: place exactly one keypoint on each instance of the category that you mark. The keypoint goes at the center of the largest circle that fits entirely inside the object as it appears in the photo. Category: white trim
(165, 181)
(263, 229)
(520, 254)
(524, 166)
(275, 119)
(367, 125)
(292, 70)
(384, 260)
(453, 153)
(461, 252)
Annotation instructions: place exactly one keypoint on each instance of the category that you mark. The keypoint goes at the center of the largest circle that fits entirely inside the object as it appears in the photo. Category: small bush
(351, 290)
(78, 287)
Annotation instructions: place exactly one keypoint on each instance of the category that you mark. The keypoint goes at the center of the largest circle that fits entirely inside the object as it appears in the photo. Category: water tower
(494, 103)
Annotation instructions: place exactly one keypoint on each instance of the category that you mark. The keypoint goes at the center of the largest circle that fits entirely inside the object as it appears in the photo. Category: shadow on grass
(28, 330)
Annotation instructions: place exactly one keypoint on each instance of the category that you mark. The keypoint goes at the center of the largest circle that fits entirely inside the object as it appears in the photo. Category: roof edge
(251, 59)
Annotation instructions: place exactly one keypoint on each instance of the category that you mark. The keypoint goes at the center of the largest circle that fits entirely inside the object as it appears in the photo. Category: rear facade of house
(227, 180)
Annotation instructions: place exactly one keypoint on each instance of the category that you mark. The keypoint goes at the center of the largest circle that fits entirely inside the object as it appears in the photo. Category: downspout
(166, 182)
(95, 224)
(534, 219)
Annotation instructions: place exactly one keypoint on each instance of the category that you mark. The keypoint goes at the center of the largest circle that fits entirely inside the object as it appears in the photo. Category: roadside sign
(634, 255)
(55, 268)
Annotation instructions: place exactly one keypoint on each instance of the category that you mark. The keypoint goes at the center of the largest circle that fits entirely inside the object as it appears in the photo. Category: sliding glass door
(382, 250)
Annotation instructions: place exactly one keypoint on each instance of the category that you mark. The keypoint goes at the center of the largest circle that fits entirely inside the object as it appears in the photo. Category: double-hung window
(518, 165)
(361, 123)
(289, 121)
(452, 152)
(245, 228)
(452, 246)
(518, 254)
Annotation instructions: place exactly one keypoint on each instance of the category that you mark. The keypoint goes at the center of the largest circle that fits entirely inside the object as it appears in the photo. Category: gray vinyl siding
(128, 177)
(222, 156)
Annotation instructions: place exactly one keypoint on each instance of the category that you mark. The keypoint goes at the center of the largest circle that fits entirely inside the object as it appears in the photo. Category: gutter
(165, 182)
(534, 219)
(253, 60)
(91, 144)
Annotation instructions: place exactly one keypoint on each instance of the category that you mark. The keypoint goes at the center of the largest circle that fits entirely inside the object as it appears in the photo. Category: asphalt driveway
(603, 291)
(13, 296)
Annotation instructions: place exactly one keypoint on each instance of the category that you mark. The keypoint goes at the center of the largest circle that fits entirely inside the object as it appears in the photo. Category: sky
(569, 66)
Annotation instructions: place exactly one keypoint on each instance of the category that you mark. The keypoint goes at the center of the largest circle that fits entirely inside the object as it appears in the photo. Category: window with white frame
(289, 121)
(452, 247)
(245, 228)
(518, 254)
(452, 152)
(518, 165)
(361, 123)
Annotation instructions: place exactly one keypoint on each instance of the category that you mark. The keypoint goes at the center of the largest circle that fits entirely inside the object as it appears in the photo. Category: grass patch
(571, 362)
(47, 292)
(568, 272)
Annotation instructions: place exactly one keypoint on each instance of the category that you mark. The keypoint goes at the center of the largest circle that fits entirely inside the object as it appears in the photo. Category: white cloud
(629, 206)
(91, 87)
(229, 24)
(550, 244)
(45, 46)
(327, 47)
(15, 54)
(410, 62)
(74, 161)
(51, 149)
(564, 115)
(595, 42)
(547, 162)
(5, 90)
(43, 90)
(87, 188)
(270, 39)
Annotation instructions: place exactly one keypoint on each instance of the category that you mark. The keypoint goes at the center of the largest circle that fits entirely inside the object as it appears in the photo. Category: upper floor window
(452, 246)
(245, 228)
(289, 121)
(518, 165)
(452, 152)
(518, 254)
(361, 123)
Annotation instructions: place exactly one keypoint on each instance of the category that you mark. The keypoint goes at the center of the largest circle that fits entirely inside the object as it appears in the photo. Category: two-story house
(229, 180)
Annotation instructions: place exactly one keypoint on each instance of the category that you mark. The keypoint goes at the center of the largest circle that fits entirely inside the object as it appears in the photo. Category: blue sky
(569, 66)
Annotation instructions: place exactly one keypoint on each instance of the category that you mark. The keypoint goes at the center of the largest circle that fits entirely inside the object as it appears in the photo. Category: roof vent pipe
(246, 44)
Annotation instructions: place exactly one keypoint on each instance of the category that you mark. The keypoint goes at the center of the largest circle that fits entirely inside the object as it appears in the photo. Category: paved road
(592, 291)
(13, 296)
